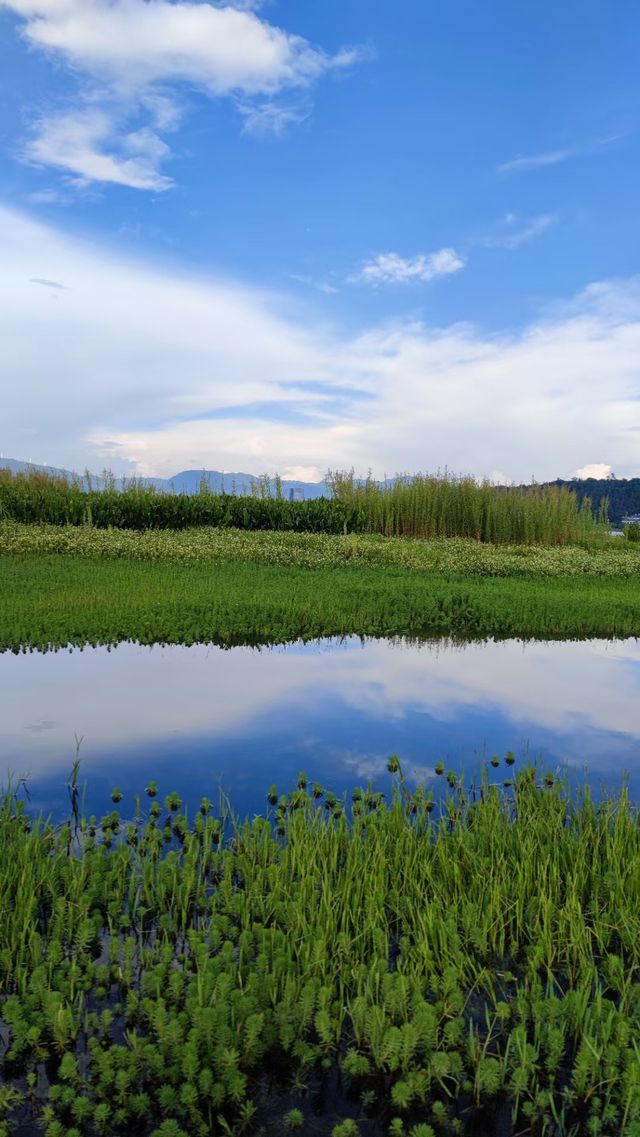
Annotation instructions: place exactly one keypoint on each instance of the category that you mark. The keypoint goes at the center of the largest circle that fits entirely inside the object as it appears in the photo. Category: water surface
(200, 718)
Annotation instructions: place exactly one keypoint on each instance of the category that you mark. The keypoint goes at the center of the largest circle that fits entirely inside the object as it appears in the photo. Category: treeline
(622, 495)
(420, 506)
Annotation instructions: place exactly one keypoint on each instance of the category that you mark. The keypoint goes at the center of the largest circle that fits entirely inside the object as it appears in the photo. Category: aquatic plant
(419, 972)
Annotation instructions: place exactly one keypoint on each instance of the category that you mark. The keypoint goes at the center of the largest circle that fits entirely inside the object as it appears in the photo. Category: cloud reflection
(301, 699)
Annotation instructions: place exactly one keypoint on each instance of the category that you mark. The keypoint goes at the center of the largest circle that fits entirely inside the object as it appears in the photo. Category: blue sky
(293, 236)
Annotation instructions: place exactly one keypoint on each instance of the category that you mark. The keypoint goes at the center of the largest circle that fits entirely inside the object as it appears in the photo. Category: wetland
(318, 832)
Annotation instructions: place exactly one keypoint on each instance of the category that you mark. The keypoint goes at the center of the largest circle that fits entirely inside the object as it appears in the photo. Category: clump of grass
(472, 965)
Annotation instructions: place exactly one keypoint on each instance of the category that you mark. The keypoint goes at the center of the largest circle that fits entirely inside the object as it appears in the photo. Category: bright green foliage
(438, 967)
(60, 586)
(294, 1119)
(443, 505)
(417, 506)
(33, 498)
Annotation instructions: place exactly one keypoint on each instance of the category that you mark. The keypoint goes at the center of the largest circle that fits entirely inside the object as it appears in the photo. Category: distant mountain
(187, 481)
(17, 467)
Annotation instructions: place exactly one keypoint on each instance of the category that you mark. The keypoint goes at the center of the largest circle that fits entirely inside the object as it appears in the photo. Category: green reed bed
(35, 498)
(373, 967)
(444, 505)
(52, 600)
(416, 506)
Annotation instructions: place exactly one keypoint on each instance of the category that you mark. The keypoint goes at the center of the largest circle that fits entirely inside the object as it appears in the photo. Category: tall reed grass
(419, 506)
(444, 505)
(402, 966)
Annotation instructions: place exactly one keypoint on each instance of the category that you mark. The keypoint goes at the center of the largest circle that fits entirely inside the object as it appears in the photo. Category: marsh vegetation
(388, 965)
(53, 600)
(425, 506)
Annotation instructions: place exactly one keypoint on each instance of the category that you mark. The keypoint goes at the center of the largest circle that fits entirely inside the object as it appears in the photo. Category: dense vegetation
(52, 600)
(622, 495)
(457, 556)
(422, 506)
(378, 968)
(36, 498)
(449, 506)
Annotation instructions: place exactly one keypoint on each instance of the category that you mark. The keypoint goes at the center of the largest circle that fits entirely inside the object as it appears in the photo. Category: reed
(446, 505)
(462, 959)
(417, 506)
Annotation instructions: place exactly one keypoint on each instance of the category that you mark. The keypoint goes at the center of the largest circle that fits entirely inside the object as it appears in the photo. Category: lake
(198, 719)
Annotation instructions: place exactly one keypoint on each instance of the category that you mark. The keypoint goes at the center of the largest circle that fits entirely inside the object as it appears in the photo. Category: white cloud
(302, 473)
(140, 363)
(136, 43)
(79, 143)
(535, 161)
(311, 282)
(391, 268)
(514, 231)
(594, 470)
(554, 157)
(580, 692)
(134, 52)
(272, 118)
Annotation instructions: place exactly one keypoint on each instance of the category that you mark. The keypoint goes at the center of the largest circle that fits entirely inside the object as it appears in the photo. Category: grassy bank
(373, 968)
(51, 600)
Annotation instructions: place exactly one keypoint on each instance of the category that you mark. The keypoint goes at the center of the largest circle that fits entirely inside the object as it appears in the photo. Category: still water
(198, 719)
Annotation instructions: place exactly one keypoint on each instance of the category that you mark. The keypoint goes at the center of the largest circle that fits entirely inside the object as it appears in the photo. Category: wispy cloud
(535, 161)
(554, 157)
(272, 118)
(391, 268)
(311, 282)
(89, 145)
(514, 231)
(134, 55)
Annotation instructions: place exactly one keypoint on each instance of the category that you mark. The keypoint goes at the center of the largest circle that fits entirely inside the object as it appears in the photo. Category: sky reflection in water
(197, 718)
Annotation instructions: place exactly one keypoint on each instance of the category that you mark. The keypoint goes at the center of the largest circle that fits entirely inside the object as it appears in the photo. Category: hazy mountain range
(187, 481)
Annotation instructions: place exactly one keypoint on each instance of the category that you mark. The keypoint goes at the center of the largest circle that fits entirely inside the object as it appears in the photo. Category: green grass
(605, 557)
(50, 600)
(379, 968)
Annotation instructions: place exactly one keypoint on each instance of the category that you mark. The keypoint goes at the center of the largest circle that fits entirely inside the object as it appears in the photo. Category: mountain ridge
(185, 481)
